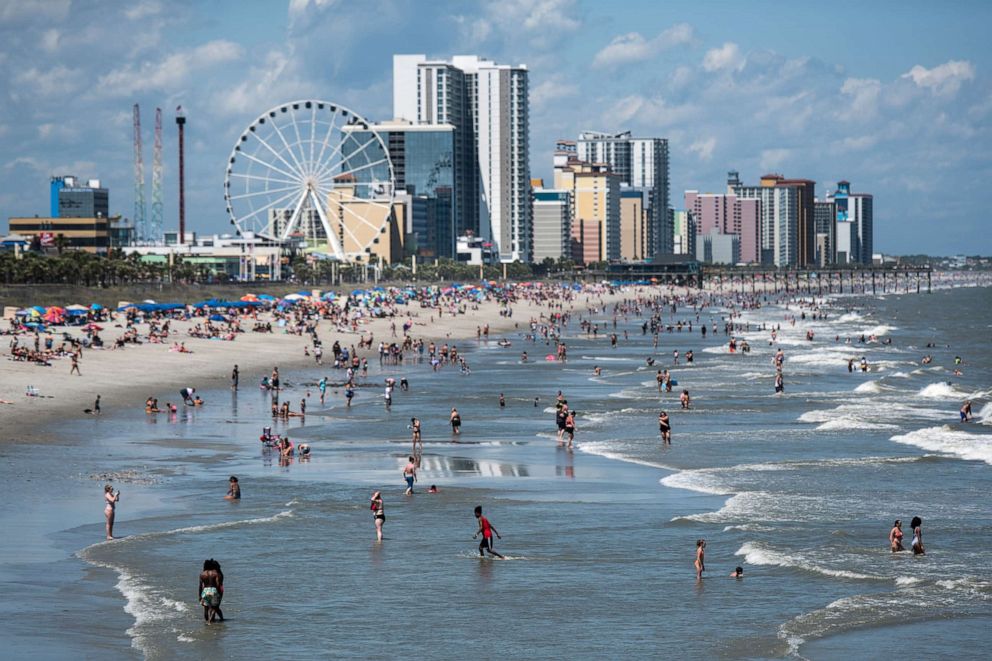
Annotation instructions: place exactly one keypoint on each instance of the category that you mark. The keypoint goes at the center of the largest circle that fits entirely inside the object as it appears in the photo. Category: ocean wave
(941, 390)
(843, 424)
(984, 414)
(874, 387)
(848, 318)
(872, 412)
(609, 450)
(760, 554)
(949, 441)
(881, 329)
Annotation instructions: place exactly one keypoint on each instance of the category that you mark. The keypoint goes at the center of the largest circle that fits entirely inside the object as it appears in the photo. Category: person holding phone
(111, 498)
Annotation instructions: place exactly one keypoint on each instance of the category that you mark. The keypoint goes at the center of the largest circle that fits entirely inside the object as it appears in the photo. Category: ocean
(800, 489)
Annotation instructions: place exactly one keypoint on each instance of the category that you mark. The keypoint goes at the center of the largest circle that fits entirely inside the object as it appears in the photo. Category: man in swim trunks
(208, 591)
(966, 411)
(487, 531)
(410, 475)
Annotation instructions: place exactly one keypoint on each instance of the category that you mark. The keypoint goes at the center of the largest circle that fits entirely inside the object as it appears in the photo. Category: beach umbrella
(76, 308)
(52, 317)
(38, 309)
(149, 301)
(96, 306)
(249, 297)
(266, 297)
(217, 317)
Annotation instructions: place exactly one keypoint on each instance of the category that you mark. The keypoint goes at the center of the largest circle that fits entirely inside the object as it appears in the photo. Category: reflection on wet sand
(446, 466)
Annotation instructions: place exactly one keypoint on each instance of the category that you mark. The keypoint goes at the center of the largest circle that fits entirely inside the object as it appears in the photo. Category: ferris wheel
(315, 171)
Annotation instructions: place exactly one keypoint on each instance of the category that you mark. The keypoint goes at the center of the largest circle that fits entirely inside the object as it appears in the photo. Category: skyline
(904, 121)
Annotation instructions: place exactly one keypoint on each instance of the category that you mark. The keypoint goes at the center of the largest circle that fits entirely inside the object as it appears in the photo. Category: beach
(800, 489)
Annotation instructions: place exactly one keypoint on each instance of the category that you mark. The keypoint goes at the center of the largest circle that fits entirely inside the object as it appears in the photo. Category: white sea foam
(848, 318)
(609, 450)
(873, 412)
(842, 424)
(940, 391)
(881, 329)
(760, 554)
(703, 481)
(984, 414)
(950, 441)
(874, 387)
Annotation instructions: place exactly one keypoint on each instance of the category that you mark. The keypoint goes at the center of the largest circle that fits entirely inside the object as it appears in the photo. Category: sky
(893, 96)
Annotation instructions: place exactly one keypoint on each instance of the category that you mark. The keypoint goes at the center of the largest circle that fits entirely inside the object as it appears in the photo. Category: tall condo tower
(140, 222)
(155, 226)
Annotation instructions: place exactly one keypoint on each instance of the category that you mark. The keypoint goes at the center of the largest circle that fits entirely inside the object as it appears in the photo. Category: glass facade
(423, 167)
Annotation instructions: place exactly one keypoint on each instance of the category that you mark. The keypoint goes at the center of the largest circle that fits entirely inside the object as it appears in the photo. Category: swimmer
(700, 562)
(378, 514)
(684, 399)
(966, 411)
(233, 489)
(665, 427)
(432, 489)
(410, 475)
(916, 524)
(737, 573)
(456, 422)
(502, 401)
(895, 537)
(597, 370)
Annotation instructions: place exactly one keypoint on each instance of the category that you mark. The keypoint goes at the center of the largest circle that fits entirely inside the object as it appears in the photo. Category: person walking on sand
(488, 530)
(75, 365)
(110, 509)
(700, 562)
(916, 524)
(378, 514)
(410, 475)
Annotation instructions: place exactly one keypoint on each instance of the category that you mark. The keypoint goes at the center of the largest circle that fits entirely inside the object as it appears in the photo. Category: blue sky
(893, 96)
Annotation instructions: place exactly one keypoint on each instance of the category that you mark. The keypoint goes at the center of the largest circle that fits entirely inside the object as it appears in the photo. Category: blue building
(422, 158)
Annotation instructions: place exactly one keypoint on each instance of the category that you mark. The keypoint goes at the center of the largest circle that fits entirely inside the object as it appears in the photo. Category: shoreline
(125, 377)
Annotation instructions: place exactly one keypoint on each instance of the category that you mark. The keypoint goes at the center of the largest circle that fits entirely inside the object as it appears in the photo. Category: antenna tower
(140, 224)
(155, 227)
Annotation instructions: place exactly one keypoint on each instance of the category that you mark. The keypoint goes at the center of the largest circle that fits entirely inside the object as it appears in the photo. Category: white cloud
(859, 143)
(57, 81)
(170, 72)
(862, 95)
(551, 90)
(727, 56)
(50, 40)
(633, 47)
(649, 112)
(141, 10)
(703, 148)
(774, 159)
(944, 78)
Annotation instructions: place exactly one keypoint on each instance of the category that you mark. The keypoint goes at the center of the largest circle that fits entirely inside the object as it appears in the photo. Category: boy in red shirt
(487, 531)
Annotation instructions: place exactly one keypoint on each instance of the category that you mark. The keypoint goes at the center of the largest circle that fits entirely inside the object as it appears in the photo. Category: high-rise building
(825, 224)
(778, 229)
(488, 106)
(595, 203)
(855, 231)
(423, 157)
(640, 163)
(727, 213)
(715, 247)
(552, 224)
(635, 206)
(685, 232)
(805, 223)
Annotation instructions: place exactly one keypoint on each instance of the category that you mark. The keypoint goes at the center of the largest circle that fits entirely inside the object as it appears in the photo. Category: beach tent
(218, 317)
(76, 309)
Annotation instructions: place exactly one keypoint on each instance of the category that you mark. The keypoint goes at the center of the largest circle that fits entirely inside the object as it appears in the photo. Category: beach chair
(32, 392)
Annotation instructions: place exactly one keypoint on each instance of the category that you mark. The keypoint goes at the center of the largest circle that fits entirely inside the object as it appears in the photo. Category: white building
(718, 248)
(488, 103)
(641, 163)
(552, 224)
(684, 232)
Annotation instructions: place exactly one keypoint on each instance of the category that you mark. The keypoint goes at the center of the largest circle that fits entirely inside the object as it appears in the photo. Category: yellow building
(87, 234)
(633, 225)
(596, 203)
(358, 222)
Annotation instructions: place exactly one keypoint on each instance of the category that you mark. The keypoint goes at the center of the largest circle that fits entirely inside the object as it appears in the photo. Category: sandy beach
(125, 377)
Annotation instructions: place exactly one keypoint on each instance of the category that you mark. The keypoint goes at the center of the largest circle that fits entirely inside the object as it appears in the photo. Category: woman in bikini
(916, 524)
(700, 562)
(895, 537)
(378, 514)
(110, 510)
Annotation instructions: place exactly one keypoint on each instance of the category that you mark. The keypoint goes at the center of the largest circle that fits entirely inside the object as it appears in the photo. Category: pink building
(727, 214)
